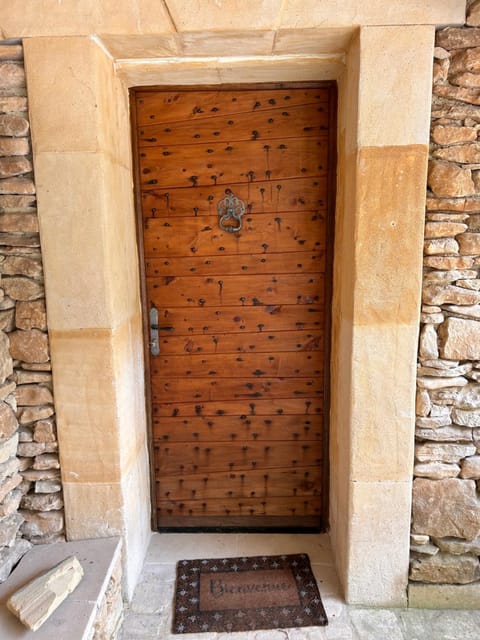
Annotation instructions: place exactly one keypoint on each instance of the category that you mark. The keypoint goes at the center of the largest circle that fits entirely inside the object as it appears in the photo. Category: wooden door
(238, 385)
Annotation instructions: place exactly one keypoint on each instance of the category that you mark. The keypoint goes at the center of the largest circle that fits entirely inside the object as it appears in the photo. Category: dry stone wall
(446, 504)
(31, 505)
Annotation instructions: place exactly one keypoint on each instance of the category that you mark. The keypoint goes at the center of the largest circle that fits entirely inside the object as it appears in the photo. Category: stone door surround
(78, 91)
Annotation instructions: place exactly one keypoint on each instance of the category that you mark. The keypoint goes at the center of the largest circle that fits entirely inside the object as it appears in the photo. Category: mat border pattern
(189, 619)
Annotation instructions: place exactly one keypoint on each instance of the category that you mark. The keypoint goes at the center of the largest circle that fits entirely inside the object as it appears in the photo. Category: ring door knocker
(230, 208)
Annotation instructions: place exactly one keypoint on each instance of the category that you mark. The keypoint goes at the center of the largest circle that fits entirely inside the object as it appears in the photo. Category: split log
(34, 603)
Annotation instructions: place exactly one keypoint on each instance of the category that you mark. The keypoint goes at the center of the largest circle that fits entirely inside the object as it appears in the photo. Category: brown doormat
(242, 594)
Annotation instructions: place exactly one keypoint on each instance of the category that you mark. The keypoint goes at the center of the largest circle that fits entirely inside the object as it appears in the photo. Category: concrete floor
(150, 613)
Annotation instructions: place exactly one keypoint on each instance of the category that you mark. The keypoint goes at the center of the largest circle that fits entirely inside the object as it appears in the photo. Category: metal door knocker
(230, 208)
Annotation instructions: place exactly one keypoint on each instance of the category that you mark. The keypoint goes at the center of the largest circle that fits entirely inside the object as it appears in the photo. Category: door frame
(328, 295)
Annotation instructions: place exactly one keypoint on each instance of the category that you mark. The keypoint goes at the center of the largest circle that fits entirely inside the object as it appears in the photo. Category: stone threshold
(75, 617)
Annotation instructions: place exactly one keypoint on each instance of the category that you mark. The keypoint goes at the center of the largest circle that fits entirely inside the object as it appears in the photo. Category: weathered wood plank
(212, 164)
(293, 262)
(303, 121)
(237, 428)
(296, 194)
(258, 290)
(305, 505)
(259, 342)
(304, 481)
(210, 321)
(178, 459)
(217, 389)
(171, 106)
(220, 365)
(259, 407)
(261, 233)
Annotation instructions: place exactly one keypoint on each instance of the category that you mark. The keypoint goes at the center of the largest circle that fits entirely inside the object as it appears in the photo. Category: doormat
(242, 594)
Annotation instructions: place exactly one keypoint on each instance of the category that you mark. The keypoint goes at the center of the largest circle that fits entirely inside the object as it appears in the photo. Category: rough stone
(463, 153)
(42, 502)
(8, 486)
(14, 126)
(440, 70)
(460, 339)
(11, 555)
(8, 468)
(445, 108)
(22, 265)
(469, 418)
(14, 222)
(469, 397)
(14, 146)
(427, 549)
(437, 246)
(423, 403)
(29, 346)
(34, 475)
(439, 53)
(31, 315)
(458, 547)
(34, 603)
(471, 311)
(48, 486)
(471, 468)
(469, 243)
(11, 104)
(50, 461)
(6, 364)
(7, 320)
(10, 503)
(12, 75)
(445, 373)
(14, 166)
(446, 277)
(33, 395)
(16, 201)
(457, 38)
(21, 288)
(7, 388)
(462, 94)
(444, 229)
(28, 377)
(440, 383)
(453, 135)
(419, 538)
(443, 568)
(431, 318)
(449, 294)
(32, 414)
(446, 508)
(8, 448)
(438, 410)
(44, 431)
(448, 180)
(445, 434)
(428, 347)
(8, 529)
(457, 205)
(443, 452)
(473, 14)
(30, 449)
(19, 186)
(433, 423)
(471, 283)
(40, 524)
(436, 470)
(465, 79)
(8, 421)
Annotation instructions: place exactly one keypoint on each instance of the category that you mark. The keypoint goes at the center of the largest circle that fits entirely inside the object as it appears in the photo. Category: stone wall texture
(31, 505)
(446, 504)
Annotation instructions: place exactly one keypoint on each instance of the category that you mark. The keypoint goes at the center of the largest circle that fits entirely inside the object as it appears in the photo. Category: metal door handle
(154, 340)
